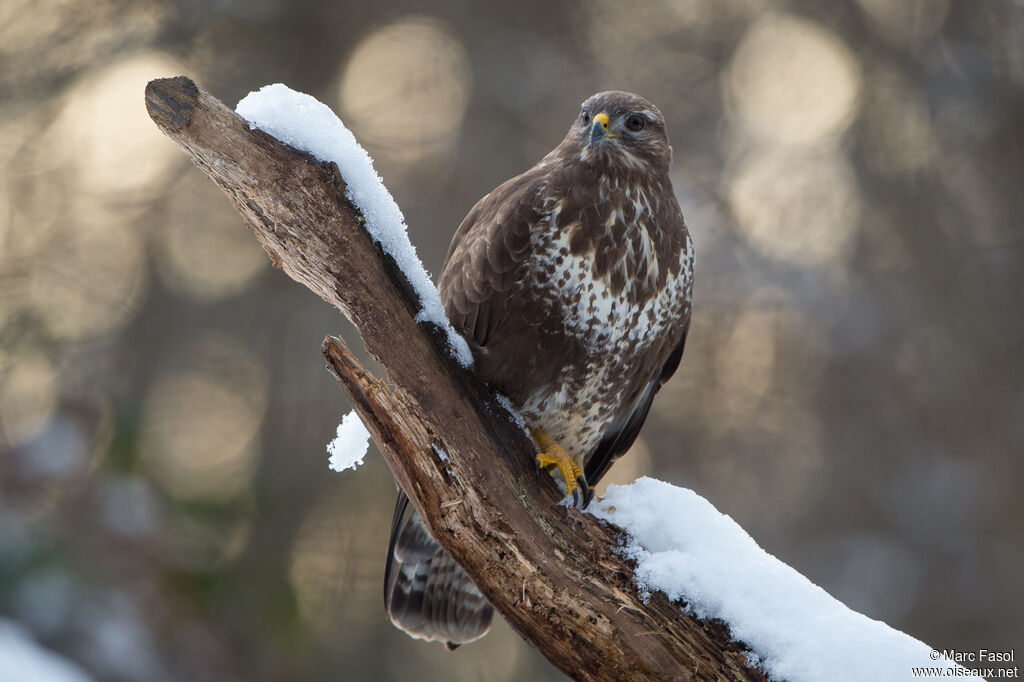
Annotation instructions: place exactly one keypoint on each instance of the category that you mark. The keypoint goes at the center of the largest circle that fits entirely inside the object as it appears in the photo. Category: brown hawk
(572, 283)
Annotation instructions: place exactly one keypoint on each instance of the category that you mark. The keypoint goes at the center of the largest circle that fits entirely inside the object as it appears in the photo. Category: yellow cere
(603, 119)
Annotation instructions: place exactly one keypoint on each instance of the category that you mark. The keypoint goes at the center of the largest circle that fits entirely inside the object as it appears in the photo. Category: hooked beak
(599, 131)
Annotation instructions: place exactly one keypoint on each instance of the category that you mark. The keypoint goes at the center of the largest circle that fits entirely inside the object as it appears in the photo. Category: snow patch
(350, 445)
(689, 550)
(516, 417)
(305, 123)
(442, 456)
(21, 658)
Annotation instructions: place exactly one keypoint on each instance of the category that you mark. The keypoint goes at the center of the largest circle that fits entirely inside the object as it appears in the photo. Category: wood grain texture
(552, 572)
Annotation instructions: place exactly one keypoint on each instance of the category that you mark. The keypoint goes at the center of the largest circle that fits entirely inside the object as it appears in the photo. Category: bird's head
(622, 130)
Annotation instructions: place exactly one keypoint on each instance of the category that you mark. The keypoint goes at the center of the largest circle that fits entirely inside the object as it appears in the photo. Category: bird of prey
(572, 283)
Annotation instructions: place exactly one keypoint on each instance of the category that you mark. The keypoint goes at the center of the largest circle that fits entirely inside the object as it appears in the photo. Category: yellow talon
(553, 454)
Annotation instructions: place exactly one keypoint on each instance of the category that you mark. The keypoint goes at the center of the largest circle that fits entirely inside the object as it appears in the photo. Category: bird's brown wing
(484, 271)
(619, 437)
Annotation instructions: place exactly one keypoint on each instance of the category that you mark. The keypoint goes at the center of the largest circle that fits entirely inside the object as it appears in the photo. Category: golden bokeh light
(761, 406)
(337, 560)
(71, 233)
(28, 396)
(778, 456)
(91, 277)
(755, 362)
(745, 361)
(5, 218)
(23, 24)
(200, 544)
(203, 249)
(12, 291)
(36, 208)
(792, 81)
(105, 136)
(405, 90)
(799, 208)
(882, 244)
(648, 34)
(12, 296)
(200, 423)
(899, 135)
(42, 43)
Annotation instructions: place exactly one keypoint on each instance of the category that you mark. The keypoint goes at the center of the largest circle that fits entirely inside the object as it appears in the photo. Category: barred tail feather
(426, 593)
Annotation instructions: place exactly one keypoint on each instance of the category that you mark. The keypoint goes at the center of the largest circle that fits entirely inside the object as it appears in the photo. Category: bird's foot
(553, 454)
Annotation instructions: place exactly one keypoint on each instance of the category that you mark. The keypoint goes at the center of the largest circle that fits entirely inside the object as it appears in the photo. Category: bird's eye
(635, 122)
(586, 117)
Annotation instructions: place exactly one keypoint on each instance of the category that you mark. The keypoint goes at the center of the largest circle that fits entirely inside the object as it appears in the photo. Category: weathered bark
(553, 573)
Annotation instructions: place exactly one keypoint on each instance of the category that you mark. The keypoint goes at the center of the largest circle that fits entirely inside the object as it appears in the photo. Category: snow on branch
(350, 443)
(690, 551)
(307, 124)
(22, 658)
(598, 603)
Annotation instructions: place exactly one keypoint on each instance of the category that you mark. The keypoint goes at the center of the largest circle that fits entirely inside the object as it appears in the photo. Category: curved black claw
(587, 498)
(588, 492)
(576, 497)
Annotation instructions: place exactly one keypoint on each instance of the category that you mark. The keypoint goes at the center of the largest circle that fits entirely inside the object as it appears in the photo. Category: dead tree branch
(552, 573)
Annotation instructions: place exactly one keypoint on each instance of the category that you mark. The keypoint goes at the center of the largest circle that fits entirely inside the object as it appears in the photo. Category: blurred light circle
(12, 295)
(773, 461)
(899, 136)
(6, 233)
(798, 208)
(204, 250)
(61, 450)
(745, 362)
(406, 87)
(12, 292)
(129, 506)
(91, 276)
(36, 209)
(768, 353)
(105, 135)
(657, 35)
(336, 561)
(28, 397)
(201, 422)
(792, 81)
(196, 542)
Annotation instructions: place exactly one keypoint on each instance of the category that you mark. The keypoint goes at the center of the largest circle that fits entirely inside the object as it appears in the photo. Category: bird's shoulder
(488, 254)
(500, 222)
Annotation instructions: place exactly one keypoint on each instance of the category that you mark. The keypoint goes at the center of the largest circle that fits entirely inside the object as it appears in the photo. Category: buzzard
(572, 283)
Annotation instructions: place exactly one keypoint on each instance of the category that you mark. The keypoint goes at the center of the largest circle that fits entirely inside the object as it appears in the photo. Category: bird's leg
(553, 454)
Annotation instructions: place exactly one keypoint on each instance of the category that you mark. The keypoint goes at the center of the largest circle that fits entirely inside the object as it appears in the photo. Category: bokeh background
(852, 392)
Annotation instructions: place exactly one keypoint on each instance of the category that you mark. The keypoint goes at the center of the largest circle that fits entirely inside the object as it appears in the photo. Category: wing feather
(485, 266)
